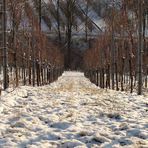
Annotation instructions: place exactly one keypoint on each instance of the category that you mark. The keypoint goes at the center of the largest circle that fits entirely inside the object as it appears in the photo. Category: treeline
(31, 58)
(119, 58)
(65, 18)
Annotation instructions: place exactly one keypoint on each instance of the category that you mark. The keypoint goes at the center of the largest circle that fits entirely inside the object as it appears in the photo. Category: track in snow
(72, 112)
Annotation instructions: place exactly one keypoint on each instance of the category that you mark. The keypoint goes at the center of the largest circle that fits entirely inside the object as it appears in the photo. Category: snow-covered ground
(72, 112)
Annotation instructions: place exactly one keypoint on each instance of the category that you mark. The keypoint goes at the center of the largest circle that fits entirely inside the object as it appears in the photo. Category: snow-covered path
(73, 112)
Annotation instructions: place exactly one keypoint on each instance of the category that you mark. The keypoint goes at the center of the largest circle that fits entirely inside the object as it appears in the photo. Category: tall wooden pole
(86, 22)
(58, 20)
(5, 70)
(112, 51)
(33, 54)
(140, 45)
(40, 13)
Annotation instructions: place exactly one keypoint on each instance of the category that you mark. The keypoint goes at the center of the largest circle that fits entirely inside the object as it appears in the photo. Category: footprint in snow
(137, 133)
(18, 124)
(61, 125)
(71, 144)
(124, 142)
(100, 139)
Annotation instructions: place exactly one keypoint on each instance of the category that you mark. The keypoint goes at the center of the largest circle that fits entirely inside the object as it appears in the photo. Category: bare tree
(140, 45)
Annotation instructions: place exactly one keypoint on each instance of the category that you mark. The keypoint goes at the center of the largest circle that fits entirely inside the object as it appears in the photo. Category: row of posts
(44, 74)
(98, 77)
(36, 75)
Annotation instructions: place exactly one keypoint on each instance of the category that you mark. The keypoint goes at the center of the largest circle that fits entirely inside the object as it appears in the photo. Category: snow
(72, 112)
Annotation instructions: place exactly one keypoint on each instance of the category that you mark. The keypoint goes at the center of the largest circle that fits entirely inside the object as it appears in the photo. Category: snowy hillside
(72, 112)
(49, 11)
